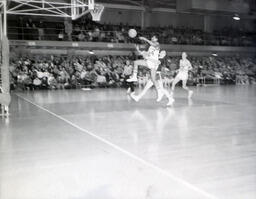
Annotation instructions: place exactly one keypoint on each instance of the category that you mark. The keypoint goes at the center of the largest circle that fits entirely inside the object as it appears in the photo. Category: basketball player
(126, 75)
(161, 90)
(151, 59)
(182, 75)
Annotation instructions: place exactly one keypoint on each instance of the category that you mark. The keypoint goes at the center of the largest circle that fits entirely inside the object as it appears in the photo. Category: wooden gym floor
(99, 144)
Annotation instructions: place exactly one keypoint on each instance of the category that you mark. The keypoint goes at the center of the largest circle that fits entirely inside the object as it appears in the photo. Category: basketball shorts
(182, 76)
(153, 64)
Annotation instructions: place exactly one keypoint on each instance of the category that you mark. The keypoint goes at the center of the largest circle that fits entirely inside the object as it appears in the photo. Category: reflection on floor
(75, 144)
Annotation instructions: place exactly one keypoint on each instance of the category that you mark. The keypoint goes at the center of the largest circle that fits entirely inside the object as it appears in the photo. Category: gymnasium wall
(156, 19)
(238, 6)
(81, 48)
(175, 19)
(117, 16)
(219, 22)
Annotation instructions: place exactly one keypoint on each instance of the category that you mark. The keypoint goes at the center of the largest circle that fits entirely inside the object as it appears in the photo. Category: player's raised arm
(138, 49)
(153, 42)
(144, 39)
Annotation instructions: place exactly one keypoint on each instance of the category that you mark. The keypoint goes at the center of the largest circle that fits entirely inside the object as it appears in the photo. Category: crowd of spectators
(59, 72)
(87, 30)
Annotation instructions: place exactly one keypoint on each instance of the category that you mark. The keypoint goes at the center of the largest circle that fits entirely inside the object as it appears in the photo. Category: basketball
(132, 33)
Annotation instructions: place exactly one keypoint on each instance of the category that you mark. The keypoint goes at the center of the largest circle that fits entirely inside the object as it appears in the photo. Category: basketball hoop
(97, 12)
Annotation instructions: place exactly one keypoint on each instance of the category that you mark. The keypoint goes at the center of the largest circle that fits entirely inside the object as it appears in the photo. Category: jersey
(153, 52)
(185, 66)
(152, 57)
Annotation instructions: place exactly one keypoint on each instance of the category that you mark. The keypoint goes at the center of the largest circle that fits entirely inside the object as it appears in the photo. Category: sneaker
(170, 102)
(134, 97)
(132, 79)
(128, 90)
(190, 93)
(160, 95)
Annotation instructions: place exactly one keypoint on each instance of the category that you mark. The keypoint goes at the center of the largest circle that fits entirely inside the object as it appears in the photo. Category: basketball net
(97, 12)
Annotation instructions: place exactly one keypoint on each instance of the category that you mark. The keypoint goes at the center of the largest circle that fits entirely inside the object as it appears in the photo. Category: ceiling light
(91, 52)
(236, 17)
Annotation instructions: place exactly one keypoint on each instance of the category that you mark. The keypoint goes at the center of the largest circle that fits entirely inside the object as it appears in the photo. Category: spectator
(41, 30)
(81, 36)
(68, 29)
(38, 72)
(61, 36)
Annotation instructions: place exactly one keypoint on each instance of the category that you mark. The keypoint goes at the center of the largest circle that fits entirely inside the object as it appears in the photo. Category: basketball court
(101, 144)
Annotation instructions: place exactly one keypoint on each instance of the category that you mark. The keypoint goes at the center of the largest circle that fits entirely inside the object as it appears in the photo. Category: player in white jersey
(182, 75)
(161, 90)
(150, 60)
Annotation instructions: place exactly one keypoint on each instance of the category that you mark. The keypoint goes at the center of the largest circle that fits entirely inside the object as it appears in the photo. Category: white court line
(131, 155)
